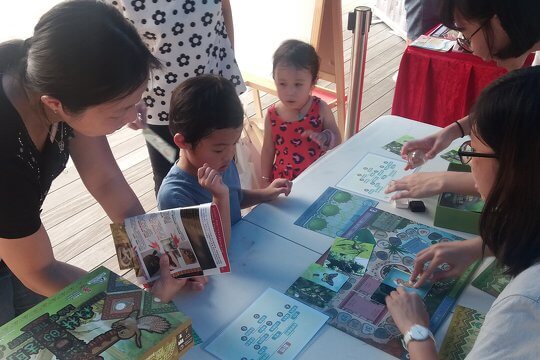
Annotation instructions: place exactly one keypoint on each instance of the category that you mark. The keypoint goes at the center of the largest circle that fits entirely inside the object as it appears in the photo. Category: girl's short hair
(519, 19)
(203, 104)
(299, 54)
(506, 117)
(83, 53)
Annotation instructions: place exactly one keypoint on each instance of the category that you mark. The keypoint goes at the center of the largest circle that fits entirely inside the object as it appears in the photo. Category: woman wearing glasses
(503, 152)
(505, 31)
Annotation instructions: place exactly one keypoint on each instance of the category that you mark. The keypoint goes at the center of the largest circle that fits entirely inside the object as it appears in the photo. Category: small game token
(416, 158)
(401, 203)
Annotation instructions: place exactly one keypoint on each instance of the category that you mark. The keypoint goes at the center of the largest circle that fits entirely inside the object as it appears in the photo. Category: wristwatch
(416, 333)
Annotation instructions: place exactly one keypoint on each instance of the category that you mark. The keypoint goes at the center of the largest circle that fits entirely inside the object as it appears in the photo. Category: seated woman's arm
(426, 184)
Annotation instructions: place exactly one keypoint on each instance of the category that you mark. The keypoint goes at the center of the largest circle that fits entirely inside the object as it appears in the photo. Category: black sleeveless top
(27, 173)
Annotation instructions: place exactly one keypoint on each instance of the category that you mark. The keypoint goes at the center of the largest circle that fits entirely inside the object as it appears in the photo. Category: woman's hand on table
(418, 185)
(455, 255)
(407, 309)
(167, 287)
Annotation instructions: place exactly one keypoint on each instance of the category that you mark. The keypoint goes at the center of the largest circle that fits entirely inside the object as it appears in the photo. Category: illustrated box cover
(100, 316)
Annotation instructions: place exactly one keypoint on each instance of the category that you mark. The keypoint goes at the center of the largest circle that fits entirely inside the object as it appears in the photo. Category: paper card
(310, 293)
(273, 327)
(334, 212)
(371, 176)
(451, 156)
(462, 333)
(396, 145)
(351, 256)
(492, 280)
(330, 279)
(398, 277)
(163, 147)
(432, 43)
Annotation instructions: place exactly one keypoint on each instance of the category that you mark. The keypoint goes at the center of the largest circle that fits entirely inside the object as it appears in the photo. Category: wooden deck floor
(79, 228)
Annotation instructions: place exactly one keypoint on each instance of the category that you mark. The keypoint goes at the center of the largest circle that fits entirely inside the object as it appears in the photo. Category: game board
(371, 176)
(100, 316)
(273, 327)
(462, 333)
(334, 211)
(492, 280)
(352, 309)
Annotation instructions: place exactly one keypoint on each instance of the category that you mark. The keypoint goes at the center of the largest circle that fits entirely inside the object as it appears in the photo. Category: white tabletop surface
(268, 250)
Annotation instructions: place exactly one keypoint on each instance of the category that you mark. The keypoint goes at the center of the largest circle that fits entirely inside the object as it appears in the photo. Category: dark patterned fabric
(294, 152)
(28, 172)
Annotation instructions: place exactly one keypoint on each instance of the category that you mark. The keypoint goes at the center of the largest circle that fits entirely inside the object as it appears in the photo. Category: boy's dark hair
(203, 104)
(507, 119)
(298, 54)
(519, 20)
(83, 53)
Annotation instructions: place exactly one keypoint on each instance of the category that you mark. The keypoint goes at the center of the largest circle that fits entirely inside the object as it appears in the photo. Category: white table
(268, 250)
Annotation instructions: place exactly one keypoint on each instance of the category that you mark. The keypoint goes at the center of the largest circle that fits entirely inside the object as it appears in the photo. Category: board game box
(456, 211)
(100, 316)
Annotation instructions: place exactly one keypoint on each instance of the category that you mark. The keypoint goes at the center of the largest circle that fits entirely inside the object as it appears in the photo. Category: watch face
(419, 332)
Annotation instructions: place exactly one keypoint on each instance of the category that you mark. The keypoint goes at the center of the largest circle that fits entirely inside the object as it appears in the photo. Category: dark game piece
(417, 206)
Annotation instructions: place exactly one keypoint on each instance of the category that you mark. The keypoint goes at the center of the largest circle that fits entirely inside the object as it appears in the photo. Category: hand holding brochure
(191, 237)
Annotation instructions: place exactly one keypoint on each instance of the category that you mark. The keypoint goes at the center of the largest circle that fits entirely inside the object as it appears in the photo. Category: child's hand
(166, 287)
(211, 180)
(277, 187)
(323, 138)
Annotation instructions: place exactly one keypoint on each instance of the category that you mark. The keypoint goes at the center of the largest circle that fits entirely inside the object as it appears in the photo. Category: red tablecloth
(440, 87)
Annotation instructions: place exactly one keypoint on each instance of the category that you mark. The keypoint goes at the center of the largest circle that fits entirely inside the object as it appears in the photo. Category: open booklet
(192, 238)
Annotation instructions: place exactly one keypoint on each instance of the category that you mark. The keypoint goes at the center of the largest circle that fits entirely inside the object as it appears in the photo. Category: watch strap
(407, 338)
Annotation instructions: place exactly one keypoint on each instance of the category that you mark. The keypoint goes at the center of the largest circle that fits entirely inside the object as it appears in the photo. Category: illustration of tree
(342, 197)
(316, 224)
(329, 210)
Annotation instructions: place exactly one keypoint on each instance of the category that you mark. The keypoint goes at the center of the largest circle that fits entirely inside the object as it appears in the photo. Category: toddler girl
(300, 127)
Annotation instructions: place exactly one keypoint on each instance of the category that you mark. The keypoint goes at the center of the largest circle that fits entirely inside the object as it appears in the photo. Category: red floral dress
(294, 152)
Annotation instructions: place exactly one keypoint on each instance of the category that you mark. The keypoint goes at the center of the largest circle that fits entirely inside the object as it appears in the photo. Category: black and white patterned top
(189, 37)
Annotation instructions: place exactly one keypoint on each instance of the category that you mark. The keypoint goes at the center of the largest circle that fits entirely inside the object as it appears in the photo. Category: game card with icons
(393, 280)
(275, 326)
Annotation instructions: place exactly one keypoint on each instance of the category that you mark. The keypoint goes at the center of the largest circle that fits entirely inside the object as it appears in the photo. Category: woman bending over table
(78, 78)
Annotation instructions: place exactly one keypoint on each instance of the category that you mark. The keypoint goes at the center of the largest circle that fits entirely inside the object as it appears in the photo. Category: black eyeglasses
(465, 43)
(466, 153)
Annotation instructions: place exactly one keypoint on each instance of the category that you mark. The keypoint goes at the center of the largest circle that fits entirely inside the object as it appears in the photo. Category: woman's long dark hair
(520, 20)
(83, 53)
(506, 117)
